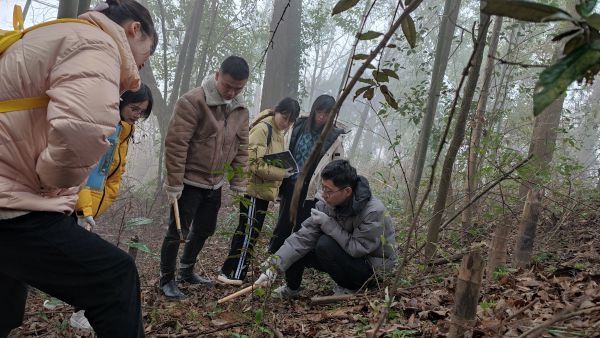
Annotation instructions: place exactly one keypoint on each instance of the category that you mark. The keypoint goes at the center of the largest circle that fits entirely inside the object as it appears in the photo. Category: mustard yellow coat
(94, 203)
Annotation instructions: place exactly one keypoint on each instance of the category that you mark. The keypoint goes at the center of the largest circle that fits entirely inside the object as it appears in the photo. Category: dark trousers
(252, 218)
(198, 210)
(329, 257)
(50, 252)
(284, 228)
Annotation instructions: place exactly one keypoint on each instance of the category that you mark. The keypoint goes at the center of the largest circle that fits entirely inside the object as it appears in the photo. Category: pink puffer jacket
(47, 153)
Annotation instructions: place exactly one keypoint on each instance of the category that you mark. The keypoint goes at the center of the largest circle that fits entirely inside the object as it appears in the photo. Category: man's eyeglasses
(326, 192)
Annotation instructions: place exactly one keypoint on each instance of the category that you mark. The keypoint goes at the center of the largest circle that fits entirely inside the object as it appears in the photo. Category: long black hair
(323, 102)
(121, 11)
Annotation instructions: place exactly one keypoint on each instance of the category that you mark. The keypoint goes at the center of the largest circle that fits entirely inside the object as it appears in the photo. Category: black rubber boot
(171, 291)
(187, 275)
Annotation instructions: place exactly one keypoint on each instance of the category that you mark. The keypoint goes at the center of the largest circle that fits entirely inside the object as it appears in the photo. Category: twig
(270, 44)
(200, 333)
(534, 332)
(524, 65)
(521, 310)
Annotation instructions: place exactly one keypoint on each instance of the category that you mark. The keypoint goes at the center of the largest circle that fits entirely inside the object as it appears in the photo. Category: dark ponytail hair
(287, 106)
(143, 94)
(323, 102)
(122, 11)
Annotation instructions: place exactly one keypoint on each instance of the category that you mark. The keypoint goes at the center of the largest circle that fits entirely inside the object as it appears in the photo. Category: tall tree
(67, 8)
(543, 143)
(191, 50)
(214, 6)
(477, 128)
(364, 115)
(282, 71)
(457, 140)
(442, 51)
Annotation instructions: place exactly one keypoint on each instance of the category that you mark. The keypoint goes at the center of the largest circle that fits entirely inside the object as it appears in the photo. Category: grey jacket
(361, 228)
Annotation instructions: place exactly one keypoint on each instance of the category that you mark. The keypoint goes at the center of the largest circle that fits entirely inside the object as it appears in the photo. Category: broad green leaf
(140, 246)
(389, 97)
(409, 30)
(258, 316)
(369, 35)
(343, 5)
(555, 80)
(360, 91)
(521, 10)
(260, 292)
(594, 21)
(138, 221)
(360, 56)
(586, 7)
(369, 93)
(380, 76)
(390, 73)
(574, 43)
(391, 45)
(368, 81)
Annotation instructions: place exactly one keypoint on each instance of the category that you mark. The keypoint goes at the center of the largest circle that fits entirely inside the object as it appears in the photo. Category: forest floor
(561, 290)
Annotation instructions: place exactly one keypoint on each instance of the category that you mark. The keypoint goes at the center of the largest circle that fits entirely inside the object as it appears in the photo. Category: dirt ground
(562, 287)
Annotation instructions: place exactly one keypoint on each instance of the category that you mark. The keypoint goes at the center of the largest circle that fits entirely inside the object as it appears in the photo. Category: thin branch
(534, 332)
(270, 44)
(524, 65)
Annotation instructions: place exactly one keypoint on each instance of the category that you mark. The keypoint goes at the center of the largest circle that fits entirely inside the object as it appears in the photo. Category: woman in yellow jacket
(94, 202)
(266, 137)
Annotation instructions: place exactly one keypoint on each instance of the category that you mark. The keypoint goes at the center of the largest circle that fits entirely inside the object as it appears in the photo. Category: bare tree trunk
(83, 6)
(442, 51)
(183, 49)
(165, 65)
(67, 9)
(364, 115)
(466, 296)
(498, 247)
(282, 71)
(191, 52)
(543, 143)
(202, 67)
(477, 123)
(457, 139)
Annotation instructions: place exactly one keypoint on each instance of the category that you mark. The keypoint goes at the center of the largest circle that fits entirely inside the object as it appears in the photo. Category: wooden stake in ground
(132, 249)
(498, 248)
(467, 294)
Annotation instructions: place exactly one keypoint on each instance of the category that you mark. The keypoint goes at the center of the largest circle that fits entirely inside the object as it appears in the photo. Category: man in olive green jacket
(208, 134)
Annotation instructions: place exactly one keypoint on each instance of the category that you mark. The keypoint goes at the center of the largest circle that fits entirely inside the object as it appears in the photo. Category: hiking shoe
(79, 321)
(284, 292)
(53, 304)
(189, 276)
(340, 290)
(229, 281)
(171, 291)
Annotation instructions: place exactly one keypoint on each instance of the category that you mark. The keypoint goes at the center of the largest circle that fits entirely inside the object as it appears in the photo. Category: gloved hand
(288, 172)
(173, 193)
(318, 217)
(86, 222)
(267, 277)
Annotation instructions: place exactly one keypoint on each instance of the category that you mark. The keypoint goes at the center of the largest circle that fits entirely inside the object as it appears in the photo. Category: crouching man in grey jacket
(348, 236)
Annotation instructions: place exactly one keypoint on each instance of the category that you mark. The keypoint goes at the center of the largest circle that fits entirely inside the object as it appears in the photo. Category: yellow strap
(24, 104)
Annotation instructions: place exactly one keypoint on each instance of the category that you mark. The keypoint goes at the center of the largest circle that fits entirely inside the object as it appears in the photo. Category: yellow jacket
(266, 179)
(93, 203)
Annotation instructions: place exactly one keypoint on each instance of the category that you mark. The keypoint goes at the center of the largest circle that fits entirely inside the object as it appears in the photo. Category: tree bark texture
(466, 296)
(497, 256)
(442, 52)
(527, 227)
(193, 44)
(457, 139)
(476, 131)
(67, 9)
(282, 71)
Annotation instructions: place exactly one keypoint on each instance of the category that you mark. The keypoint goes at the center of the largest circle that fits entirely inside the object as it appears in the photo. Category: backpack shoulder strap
(269, 133)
